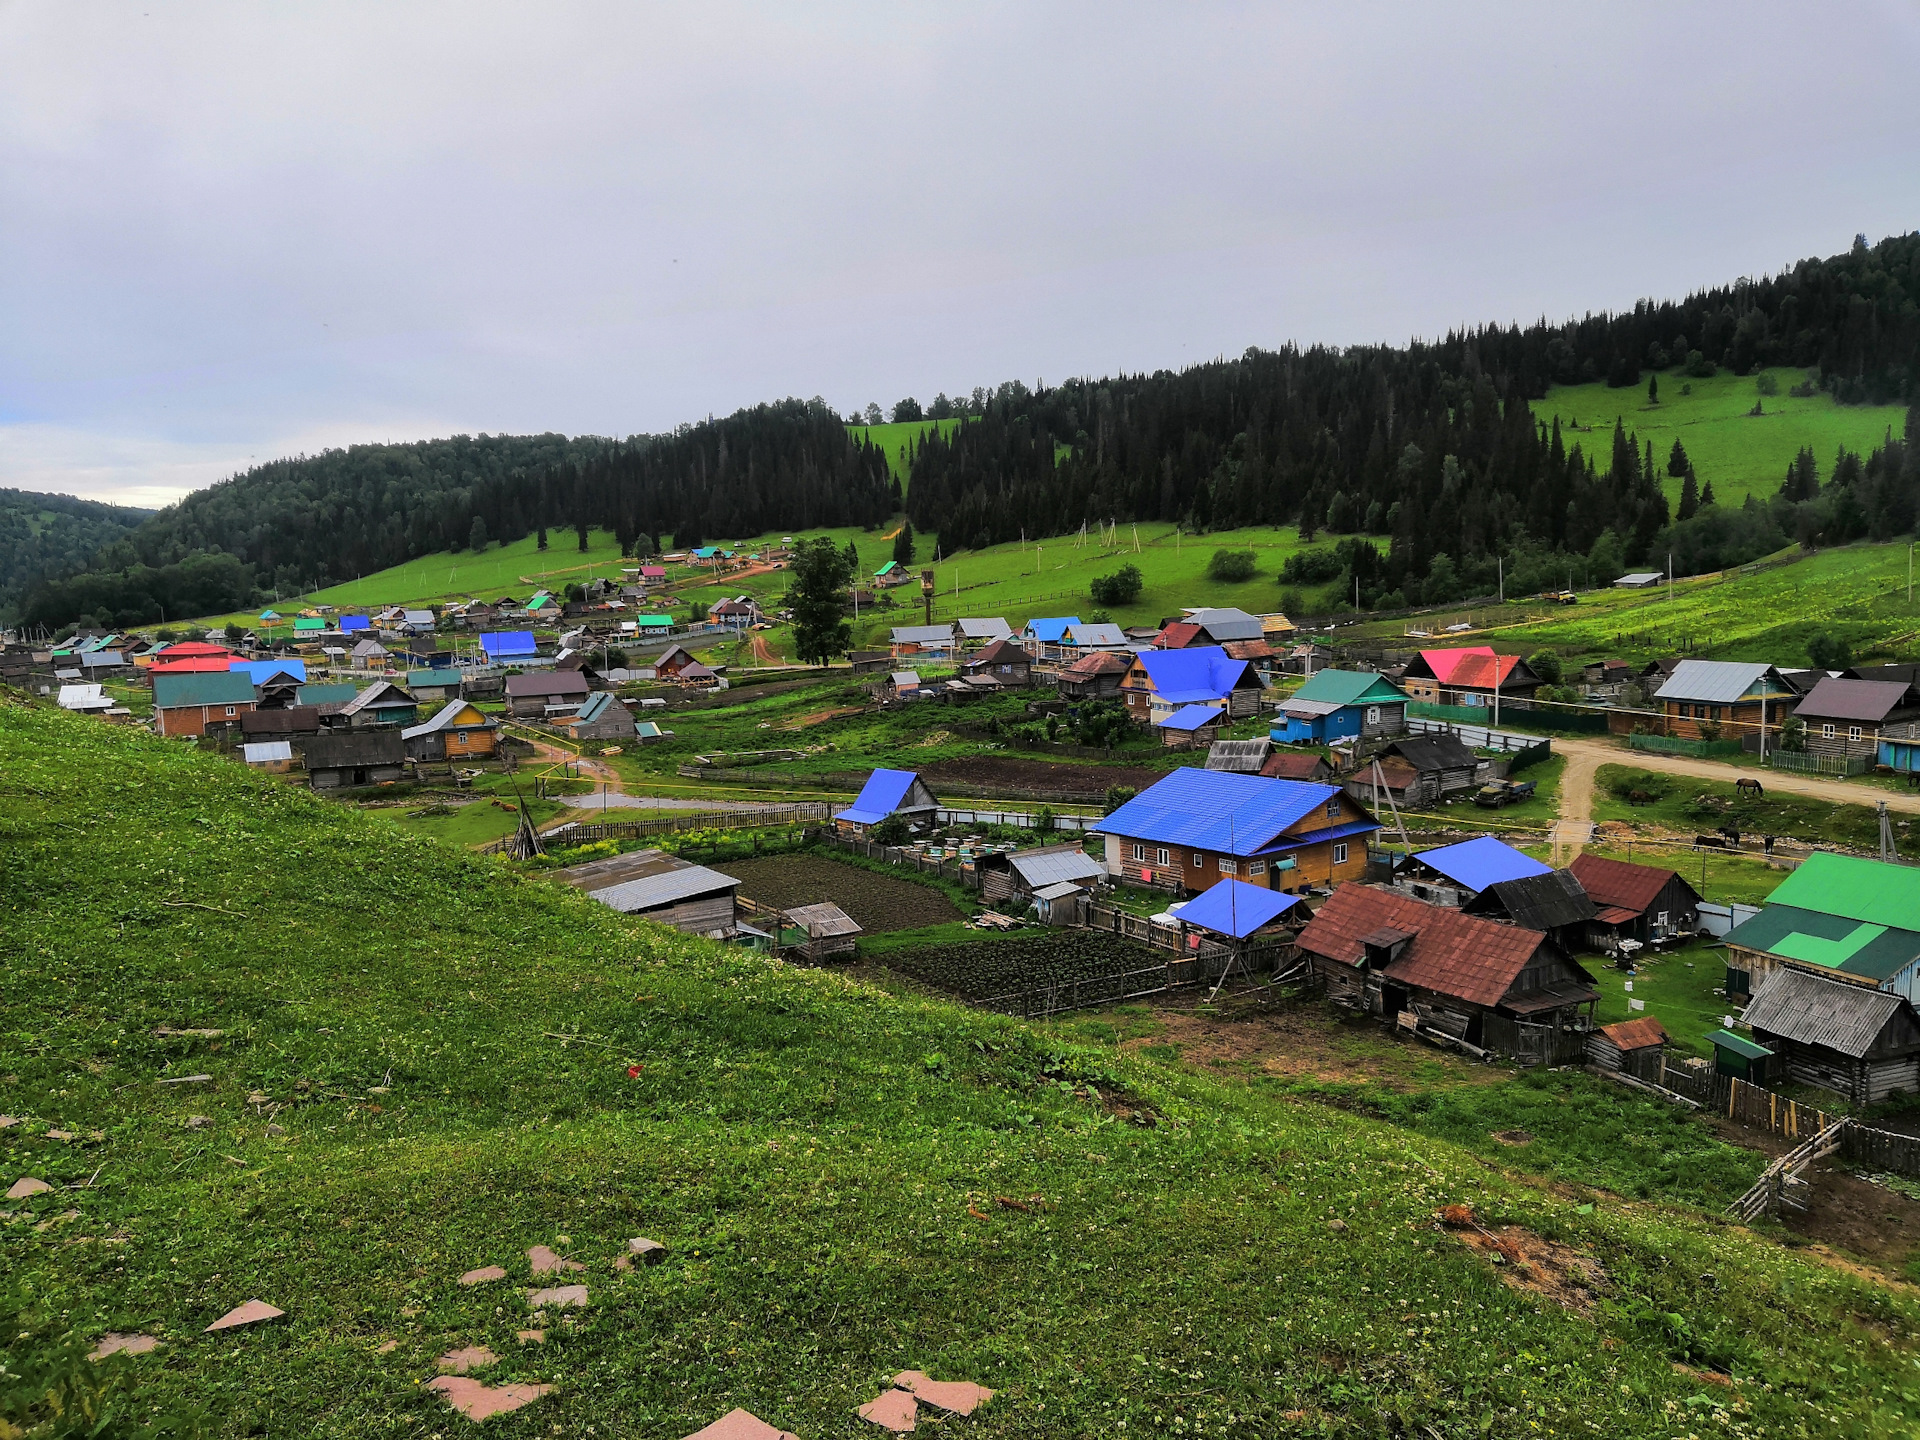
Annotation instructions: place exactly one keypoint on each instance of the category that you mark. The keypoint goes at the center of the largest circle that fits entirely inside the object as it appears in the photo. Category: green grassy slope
(896, 437)
(1740, 454)
(823, 1160)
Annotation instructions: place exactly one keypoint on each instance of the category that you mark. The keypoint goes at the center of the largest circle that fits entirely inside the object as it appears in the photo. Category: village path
(762, 655)
(1585, 757)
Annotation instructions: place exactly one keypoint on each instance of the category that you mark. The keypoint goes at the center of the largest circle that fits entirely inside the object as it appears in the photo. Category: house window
(229, 709)
(1163, 857)
(1853, 732)
(1256, 867)
(1340, 853)
(1373, 714)
(1333, 808)
(1139, 851)
(1228, 867)
(1199, 861)
(1826, 732)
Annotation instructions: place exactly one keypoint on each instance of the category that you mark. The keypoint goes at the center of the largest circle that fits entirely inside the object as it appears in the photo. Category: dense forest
(52, 535)
(1430, 446)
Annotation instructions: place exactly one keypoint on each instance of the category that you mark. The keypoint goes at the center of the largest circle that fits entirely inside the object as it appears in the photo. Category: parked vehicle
(1503, 792)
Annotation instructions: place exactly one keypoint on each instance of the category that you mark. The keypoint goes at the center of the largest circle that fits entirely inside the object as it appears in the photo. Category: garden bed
(978, 972)
(877, 903)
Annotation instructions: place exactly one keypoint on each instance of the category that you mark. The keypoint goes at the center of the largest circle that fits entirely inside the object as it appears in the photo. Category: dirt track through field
(1585, 757)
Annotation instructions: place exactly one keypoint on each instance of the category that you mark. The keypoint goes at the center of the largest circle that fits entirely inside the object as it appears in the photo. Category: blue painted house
(1341, 705)
(1046, 639)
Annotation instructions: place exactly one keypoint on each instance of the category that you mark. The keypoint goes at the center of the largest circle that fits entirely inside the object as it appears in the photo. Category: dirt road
(1585, 757)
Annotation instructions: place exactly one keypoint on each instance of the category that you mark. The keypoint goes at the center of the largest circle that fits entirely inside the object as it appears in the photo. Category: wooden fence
(1211, 954)
(578, 833)
(850, 781)
(1094, 991)
(1809, 763)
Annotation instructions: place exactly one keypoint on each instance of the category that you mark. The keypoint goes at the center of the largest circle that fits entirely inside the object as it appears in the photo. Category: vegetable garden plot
(1005, 967)
(877, 903)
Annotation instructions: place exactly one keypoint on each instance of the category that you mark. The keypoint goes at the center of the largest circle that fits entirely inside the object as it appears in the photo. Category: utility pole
(1887, 853)
(1669, 577)
(1501, 564)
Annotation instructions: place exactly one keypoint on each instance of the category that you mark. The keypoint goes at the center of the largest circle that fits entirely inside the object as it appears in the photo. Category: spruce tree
(1689, 497)
(477, 535)
(1706, 493)
(1677, 462)
(903, 545)
(1653, 389)
(541, 541)
(580, 529)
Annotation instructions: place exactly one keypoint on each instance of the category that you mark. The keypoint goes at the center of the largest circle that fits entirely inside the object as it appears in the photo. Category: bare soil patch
(816, 717)
(1039, 775)
(877, 903)
(1530, 1262)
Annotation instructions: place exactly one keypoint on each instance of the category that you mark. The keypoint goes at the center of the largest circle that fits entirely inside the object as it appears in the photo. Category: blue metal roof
(1481, 862)
(350, 623)
(260, 671)
(1235, 908)
(879, 797)
(1191, 717)
(1052, 631)
(1332, 832)
(1198, 670)
(1216, 810)
(507, 642)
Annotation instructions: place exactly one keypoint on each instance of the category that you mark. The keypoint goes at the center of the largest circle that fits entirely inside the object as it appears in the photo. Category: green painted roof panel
(1350, 687)
(1727, 1040)
(1833, 942)
(1870, 890)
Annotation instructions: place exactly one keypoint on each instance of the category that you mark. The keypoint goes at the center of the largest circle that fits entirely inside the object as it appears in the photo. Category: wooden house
(1852, 920)
(1191, 725)
(1423, 770)
(663, 888)
(199, 702)
(869, 662)
(1634, 1047)
(1494, 986)
(972, 632)
(369, 655)
(1340, 705)
(1736, 696)
(1862, 1044)
(888, 793)
(345, 759)
(287, 723)
(1647, 903)
(1005, 661)
(1852, 717)
(1553, 903)
(381, 703)
(933, 641)
(1158, 682)
(1198, 827)
(603, 717)
(676, 663)
(459, 730)
(539, 694)
(1468, 675)
(1455, 874)
(434, 683)
(1094, 676)
(1045, 637)
(898, 686)
(1297, 765)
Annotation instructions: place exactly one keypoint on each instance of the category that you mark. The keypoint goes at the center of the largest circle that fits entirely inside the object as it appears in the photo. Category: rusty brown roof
(1451, 954)
(1618, 884)
(1636, 1034)
(1285, 765)
(1099, 662)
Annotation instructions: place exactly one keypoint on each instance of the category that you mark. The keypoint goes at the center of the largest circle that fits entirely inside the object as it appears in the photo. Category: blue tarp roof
(1191, 717)
(879, 797)
(507, 642)
(351, 623)
(1216, 810)
(1190, 673)
(1054, 630)
(1332, 832)
(1235, 908)
(259, 671)
(1479, 863)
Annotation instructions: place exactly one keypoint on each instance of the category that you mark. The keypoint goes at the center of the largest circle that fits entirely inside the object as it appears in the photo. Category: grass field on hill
(427, 1063)
(1739, 453)
(896, 437)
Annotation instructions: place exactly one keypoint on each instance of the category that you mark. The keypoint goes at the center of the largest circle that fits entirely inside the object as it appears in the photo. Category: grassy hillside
(427, 1063)
(896, 437)
(1739, 453)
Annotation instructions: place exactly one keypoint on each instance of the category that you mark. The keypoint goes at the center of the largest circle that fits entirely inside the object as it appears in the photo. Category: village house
(1454, 874)
(741, 610)
(504, 647)
(1423, 770)
(1852, 920)
(892, 574)
(1644, 903)
(1469, 675)
(537, 695)
(1494, 986)
(293, 720)
(1210, 625)
(1005, 661)
(933, 641)
(434, 684)
(381, 703)
(898, 686)
(1862, 1044)
(198, 702)
(84, 699)
(1158, 682)
(888, 793)
(1853, 717)
(1191, 725)
(971, 632)
(274, 687)
(459, 730)
(603, 717)
(1045, 637)
(869, 662)
(369, 655)
(1297, 765)
(346, 759)
(1096, 676)
(1341, 705)
(663, 888)
(1553, 903)
(676, 663)
(1086, 637)
(1257, 653)
(1197, 827)
(1724, 699)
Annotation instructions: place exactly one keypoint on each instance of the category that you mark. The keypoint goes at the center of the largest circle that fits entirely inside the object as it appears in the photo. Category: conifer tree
(1677, 462)
(903, 544)
(541, 541)
(1653, 389)
(1706, 493)
(1689, 498)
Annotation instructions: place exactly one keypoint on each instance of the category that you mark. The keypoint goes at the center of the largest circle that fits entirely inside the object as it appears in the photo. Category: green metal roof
(202, 687)
(1350, 687)
(309, 624)
(1727, 1040)
(1870, 890)
(337, 694)
(1832, 942)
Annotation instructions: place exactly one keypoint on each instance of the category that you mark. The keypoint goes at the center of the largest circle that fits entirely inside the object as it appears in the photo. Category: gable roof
(331, 749)
(1097, 663)
(1855, 701)
(552, 682)
(352, 623)
(1829, 942)
(1480, 862)
(1636, 1034)
(1350, 687)
(1434, 752)
(1295, 765)
(1224, 622)
(366, 649)
(598, 705)
(1719, 682)
(498, 643)
(1050, 866)
(202, 687)
(1191, 717)
(1441, 664)
(1866, 890)
(1051, 629)
(1539, 902)
(418, 617)
(1618, 883)
(1004, 651)
(1177, 635)
(1236, 909)
(83, 697)
(884, 793)
(987, 627)
(1813, 1010)
(258, 672)
(1091, 633)
(935, 635)
(322, 693)
(1243, 757)
(650, 892)
(381, 695)
(1197, 670)
(1219, 811)
(449, 717)
(1451, 953)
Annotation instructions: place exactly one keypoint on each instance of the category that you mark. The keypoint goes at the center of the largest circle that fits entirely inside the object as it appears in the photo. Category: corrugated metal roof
(1871, 701)
(261, 671)
(1297, 706)
(650, 892)
(1348, 687)
(1480, 862)
(1856, 888)
(1236, 909)
(507, 642)
(990, 627)
(1051, 628)
(1717, 682)
(1539, 902)
(1204, 669)
(1191, 717)
(1451, 953)
(1739, 1045)
(1243, 757)
(1047, 867)
(1636, 1034)
(1816, 1011)
(922, 635)
(1059, 891)
(1618, 884)
(204, 687)
(823, 920)
(263, 752)
(1096, 634)
(879, 797)
(1215, 810)
(1831, 942)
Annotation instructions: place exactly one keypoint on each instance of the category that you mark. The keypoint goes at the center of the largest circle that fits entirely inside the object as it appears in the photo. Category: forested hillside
(43, 535)
(1431, 445)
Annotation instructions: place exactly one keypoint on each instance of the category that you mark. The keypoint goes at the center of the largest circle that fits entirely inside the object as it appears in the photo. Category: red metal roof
(1179, 635)
(1616, 884)
(1248, 649)
(1097, 662)
(1006, 650)
(1451, 954)
(1636, 1034)
(1288, 766)
(1482, 672)
(1444, 662)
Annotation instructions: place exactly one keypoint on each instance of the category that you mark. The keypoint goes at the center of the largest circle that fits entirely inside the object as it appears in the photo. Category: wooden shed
(817, 931)
(1859, 1042)
(342, 759)
(660, 887)
(1634, 1047)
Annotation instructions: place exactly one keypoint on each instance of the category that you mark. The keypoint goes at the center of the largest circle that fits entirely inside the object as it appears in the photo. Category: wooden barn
(1647, 903)
(1861, 1043)
(460, 730)
(662, 888)
(1553, 903)
(344, 759)
(1634, 1047)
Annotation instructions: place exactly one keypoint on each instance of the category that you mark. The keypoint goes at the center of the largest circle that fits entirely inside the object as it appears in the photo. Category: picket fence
(1806, 763)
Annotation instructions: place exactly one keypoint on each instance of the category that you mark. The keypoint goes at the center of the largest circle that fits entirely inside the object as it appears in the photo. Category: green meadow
(399, 1062)
(1741, 454)
(897, 438)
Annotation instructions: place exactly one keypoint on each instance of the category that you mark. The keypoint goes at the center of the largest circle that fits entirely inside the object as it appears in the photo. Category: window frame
(1826, 730)
(1140, 852)
(1339, 852)
(1165, 856)
(1228, 866)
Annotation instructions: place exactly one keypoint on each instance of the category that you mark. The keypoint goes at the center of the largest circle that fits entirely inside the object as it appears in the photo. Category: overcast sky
(231, 232)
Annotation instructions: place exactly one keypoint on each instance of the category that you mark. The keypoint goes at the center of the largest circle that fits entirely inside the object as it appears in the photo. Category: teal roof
(1350, 687)
(1870, 890)
(309, 624)
(1727, 1040)
(444, 675)
(202, 687)
(336, 694)
(1831, 942)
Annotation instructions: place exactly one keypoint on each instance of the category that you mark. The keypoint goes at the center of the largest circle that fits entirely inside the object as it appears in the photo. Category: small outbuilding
(1234, 910)
(663, 888)
(1861, 1043)
(1191, 725)
(822, 930)
(1455, 874)
(1633, 1046)
(346, 759)
(1241, 757)
(1553, 903)
(888, 793)
(273, 756)
(1009, 875)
